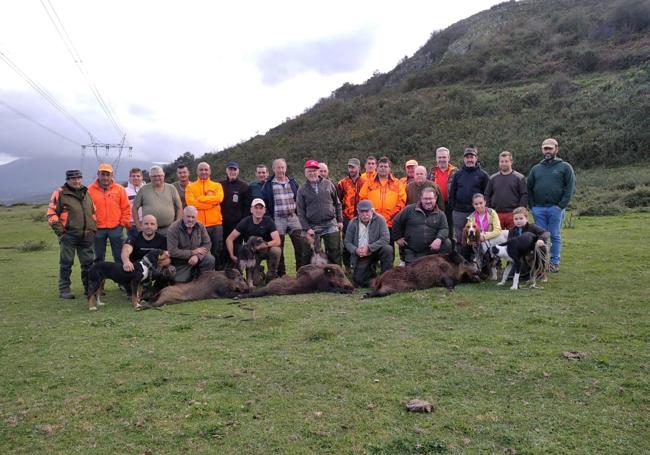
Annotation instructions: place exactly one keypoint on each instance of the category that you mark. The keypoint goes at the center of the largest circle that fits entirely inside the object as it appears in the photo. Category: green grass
(329, 373)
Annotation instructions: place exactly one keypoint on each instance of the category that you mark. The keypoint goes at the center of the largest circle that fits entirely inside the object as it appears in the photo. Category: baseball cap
(549, 142)
(105, 167)
(364, 205)
(233, 164)
(354, 162)
(470, 151)
(311, 163)
(258, 201)
(411, 163)
(72, 173)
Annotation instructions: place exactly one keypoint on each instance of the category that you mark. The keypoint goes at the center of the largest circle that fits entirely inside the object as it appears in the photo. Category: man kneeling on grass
(367, 239)
(137, 246)
(260, 225)
(189, 244)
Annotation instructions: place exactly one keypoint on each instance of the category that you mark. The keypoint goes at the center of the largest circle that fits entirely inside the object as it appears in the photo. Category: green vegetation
(330, 373)
(503, 79)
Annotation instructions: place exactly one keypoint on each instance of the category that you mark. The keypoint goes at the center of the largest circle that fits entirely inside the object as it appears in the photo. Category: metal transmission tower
(98, 147)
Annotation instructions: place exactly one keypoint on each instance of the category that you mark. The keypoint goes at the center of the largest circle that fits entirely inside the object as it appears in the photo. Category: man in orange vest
(370, 168)
(387, 194)
(441, 175)
(348, 191)
(207, 195)
(112, 212)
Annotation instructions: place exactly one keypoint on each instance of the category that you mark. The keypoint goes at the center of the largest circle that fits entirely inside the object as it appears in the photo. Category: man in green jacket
(421, 228)
(71, 215)
(551, 184)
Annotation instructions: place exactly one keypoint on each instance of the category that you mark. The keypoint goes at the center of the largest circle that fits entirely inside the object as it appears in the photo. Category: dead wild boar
(310, 278)
(209, 285)
(440, 270)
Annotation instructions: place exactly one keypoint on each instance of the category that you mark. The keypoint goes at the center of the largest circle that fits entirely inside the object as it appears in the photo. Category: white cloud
(198, 75)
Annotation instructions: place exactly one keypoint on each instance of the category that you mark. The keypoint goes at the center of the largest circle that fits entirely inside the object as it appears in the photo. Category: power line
(44, 93)
(67, 41)
(26, 117)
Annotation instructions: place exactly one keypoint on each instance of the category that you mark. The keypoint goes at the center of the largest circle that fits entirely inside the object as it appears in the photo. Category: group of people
(363, 220)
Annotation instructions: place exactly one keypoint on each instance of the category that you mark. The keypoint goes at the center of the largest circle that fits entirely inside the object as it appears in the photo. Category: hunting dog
(480, 252)
(248, 259)
(153, 262)
(318, 257)
(515, 252)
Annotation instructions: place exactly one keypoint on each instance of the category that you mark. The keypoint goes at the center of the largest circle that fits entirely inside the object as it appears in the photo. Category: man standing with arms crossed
(506, 191)
(206, 196)
(551, 184)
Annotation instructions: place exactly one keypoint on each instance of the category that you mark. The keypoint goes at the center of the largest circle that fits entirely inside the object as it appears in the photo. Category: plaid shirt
(285, 205)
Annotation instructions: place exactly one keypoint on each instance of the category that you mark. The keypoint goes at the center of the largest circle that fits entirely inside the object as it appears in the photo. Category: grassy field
(328, 373)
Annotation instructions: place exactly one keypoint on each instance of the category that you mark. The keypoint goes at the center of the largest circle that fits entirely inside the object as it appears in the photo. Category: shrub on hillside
(560, 85)
(501, 71)
(638, 198)
(631, 15)
(586, 60)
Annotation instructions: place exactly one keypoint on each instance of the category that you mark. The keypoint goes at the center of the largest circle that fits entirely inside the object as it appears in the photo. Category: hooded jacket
(71, 211)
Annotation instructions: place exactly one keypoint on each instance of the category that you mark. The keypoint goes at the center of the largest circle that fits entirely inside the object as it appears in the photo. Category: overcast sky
(192, 75)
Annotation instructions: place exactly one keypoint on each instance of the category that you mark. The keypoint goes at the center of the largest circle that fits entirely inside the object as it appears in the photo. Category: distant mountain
(32, 180)
(503, 79)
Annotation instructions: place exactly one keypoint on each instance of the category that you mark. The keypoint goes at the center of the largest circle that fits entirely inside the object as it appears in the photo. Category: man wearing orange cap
(112, 213)
(409, 168)
(551, 184)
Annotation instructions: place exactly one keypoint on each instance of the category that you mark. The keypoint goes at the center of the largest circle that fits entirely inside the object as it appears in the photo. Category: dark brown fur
(310, 278)
(209, 285)
(438, 270)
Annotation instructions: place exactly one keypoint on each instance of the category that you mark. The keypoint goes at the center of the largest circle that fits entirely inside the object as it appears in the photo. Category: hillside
(503, 79)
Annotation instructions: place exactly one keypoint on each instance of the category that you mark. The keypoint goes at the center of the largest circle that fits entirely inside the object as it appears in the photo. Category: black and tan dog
(248, 259)
(153, 262)
(515, 251)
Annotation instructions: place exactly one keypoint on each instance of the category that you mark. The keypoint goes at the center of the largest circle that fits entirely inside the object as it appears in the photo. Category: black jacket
(466, 183)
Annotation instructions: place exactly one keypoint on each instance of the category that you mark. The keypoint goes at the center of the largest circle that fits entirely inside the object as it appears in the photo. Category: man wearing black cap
(70, 214)
(467, 182)
(235, 205)
(367, 239)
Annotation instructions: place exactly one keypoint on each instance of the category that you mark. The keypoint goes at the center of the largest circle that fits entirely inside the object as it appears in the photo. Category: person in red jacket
(112, 212)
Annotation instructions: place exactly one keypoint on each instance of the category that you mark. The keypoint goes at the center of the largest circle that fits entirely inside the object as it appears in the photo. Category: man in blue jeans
(551, 184)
